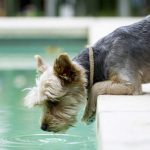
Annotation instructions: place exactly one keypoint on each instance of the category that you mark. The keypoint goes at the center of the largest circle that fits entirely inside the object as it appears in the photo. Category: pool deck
(123, 122)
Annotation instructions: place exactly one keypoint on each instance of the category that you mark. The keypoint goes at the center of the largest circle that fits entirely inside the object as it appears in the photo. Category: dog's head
(59, 90)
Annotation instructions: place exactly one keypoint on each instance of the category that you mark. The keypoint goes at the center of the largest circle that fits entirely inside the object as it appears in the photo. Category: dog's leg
(101, 88)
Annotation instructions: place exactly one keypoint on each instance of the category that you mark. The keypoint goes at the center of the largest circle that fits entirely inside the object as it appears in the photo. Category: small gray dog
(121, 64)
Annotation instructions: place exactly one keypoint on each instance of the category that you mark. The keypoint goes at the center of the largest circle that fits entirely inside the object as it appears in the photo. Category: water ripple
(43, 139)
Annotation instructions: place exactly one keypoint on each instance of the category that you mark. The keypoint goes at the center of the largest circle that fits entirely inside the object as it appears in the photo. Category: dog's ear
(40, 66)
(65, 69)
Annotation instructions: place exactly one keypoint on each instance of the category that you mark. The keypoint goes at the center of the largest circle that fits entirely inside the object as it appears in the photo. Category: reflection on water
(19, 127)
(47, 140)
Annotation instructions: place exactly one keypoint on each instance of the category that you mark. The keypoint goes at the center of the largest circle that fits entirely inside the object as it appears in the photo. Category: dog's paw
(89, 117)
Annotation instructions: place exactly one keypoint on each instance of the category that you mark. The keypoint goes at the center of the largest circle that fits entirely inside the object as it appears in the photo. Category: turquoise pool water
(19, 126)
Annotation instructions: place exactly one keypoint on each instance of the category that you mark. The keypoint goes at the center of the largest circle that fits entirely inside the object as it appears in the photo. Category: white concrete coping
(74, 27)
(123, 122)
(90, 28)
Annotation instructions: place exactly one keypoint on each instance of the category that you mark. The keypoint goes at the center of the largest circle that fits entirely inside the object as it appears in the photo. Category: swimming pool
(19, 126)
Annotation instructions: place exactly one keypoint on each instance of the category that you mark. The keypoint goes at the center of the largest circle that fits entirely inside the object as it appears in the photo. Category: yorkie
(117, 64)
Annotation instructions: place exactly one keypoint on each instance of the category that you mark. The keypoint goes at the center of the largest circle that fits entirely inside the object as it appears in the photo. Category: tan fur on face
(60, 96)
(45, 89)
(61, 115)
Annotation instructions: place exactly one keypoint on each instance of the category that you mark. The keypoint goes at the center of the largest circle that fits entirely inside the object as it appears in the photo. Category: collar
(91, 62)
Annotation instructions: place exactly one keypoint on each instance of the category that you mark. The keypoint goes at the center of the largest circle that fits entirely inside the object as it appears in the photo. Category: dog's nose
(44, 126)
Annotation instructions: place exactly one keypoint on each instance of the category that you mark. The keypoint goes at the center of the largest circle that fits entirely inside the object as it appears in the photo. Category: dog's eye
(52, 103)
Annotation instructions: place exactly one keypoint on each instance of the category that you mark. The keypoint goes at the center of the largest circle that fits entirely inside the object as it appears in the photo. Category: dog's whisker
(26, 89)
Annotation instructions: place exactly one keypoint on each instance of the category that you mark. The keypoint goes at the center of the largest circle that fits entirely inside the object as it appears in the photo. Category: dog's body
(124, 52)
(121, 64)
